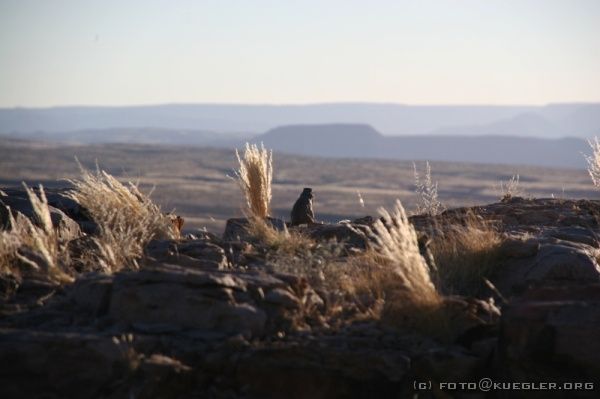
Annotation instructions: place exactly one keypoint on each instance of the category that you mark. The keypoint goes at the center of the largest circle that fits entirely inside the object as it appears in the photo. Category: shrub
(254, 177)
(510, 189)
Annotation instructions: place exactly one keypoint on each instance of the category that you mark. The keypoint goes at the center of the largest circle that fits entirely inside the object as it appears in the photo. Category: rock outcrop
(203, 318)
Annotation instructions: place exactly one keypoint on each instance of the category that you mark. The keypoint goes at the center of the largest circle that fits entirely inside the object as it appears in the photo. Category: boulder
(38, 363)
(552, 334)
(67, 227)
(519, 248)
(536, 261)
(186, 299)
(564, 262)
(195, 253)
(57, 200)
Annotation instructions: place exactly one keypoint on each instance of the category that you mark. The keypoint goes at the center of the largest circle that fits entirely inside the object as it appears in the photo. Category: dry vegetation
(281, 242)
(427, 192)
(396, 274)
(390, 281)
(594, 161)
(510, 188)
(465, 253)
(34, 247)
(254, 176)
(127, 219)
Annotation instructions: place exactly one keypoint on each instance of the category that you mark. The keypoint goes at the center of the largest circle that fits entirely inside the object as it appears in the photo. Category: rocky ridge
(201, 318)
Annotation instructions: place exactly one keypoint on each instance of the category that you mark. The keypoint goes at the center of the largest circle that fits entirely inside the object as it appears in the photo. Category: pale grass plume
(427, 191)
(394, 238)
(254, 177)
(361, 201)
(127, 219)
(393, 279)
(593, 161)
(34, 244)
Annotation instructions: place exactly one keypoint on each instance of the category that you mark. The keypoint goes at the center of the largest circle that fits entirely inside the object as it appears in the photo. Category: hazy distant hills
(556, 120)
(142, 135)
(552, 135)
(362, 141)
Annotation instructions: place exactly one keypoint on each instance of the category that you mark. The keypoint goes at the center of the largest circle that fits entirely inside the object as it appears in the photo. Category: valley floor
(194, 181)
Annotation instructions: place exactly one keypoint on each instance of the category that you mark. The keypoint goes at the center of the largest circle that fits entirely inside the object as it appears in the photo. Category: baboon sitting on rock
(302, 212)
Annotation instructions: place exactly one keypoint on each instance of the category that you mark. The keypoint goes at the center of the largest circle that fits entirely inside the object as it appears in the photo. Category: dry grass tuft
(465, 255)
(282, 242)
(510, 189)
(127, 219)
(396, 251)
(254, 176)
(593, 161)
(427, 191)
(34, 245)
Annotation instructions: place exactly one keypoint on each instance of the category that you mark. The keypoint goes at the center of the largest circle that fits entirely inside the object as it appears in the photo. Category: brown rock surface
(197, 321)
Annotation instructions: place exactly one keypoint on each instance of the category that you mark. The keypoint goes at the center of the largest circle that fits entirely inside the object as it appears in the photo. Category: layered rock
(204, 318)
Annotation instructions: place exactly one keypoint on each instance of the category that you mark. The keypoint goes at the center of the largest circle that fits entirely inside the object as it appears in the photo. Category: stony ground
(202, 319)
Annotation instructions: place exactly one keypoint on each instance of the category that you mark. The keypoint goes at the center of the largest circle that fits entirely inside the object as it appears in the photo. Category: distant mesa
(551, 135)
(555, 120)
(363, 141)
(328, 140)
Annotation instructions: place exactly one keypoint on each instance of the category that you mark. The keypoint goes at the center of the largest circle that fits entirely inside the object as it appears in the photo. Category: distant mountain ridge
(554, 120)
(363, 141)
(186, 137)
(551, 135)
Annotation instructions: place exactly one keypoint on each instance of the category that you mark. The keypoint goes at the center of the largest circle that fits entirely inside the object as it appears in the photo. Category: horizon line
(301, 104)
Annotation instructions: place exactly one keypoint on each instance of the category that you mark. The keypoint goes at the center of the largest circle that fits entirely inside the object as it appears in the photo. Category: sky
(59, 52)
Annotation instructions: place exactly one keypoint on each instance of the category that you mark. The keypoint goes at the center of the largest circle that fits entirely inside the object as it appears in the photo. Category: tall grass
(127, 219)
(593, 161)
(396, 250)
(465, 254)
(34, 244)
(254, 177)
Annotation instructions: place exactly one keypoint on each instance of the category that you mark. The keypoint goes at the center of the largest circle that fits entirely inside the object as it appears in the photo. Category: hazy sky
(58, 52)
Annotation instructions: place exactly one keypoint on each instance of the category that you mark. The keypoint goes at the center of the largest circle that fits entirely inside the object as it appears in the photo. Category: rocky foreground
(202, 318)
